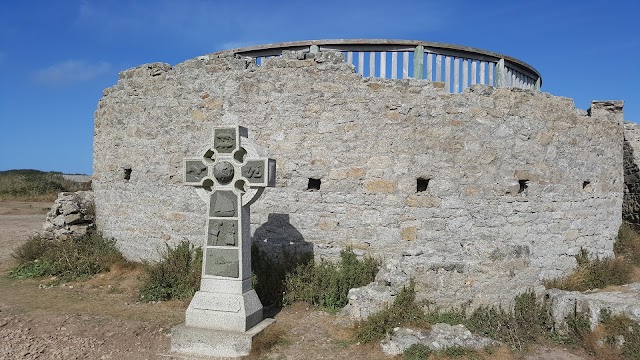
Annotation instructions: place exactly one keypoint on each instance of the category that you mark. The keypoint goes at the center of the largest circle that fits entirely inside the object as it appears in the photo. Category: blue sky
(56, 57)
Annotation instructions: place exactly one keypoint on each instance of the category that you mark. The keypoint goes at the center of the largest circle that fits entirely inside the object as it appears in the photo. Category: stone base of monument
(220, 311)
(199, 342)
(220, 325)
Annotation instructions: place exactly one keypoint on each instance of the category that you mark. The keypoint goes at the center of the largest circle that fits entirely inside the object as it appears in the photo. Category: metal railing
(457, 66)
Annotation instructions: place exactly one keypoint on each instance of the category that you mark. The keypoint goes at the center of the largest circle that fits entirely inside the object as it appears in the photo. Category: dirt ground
(102, 319)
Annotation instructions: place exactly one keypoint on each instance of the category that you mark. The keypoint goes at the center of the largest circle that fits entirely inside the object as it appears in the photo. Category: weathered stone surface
(319, 119)
(440, 337)
(369, 299)
(72, 219)
(416, 200)
(623, 301)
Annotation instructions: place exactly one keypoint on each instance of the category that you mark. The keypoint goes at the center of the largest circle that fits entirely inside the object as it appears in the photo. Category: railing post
(500, 75)
(537, 85)
(418, 62)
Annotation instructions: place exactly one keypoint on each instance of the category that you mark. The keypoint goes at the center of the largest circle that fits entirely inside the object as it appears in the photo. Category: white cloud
(71, 71)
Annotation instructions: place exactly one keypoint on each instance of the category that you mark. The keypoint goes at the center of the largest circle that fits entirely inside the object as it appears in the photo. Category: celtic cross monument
(230, 176)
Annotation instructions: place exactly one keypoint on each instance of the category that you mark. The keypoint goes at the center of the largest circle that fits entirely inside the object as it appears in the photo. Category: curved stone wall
(478, 195)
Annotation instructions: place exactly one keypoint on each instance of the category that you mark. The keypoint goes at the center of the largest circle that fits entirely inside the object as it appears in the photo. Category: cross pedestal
(226, 307)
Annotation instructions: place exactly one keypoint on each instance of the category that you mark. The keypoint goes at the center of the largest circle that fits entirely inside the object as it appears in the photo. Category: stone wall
(478, 195)
(631, 207)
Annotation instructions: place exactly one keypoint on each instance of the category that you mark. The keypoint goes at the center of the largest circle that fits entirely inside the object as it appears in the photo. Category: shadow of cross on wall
(278, 235)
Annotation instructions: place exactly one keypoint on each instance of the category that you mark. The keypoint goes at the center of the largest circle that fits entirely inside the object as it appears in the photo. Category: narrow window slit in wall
(127, 173)
(585, 184)
(523, 185)
(314, 184)
(422, 184)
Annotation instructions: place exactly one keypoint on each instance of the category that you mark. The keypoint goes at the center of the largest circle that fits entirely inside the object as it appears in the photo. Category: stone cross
(232, 178)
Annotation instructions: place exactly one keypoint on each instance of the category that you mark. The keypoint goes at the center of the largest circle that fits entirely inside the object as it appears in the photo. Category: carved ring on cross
(223, 171)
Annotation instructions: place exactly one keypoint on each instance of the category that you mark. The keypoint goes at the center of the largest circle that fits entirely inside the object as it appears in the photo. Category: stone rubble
(71, 215)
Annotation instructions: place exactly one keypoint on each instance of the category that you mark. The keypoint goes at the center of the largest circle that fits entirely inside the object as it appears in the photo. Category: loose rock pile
(71, 215)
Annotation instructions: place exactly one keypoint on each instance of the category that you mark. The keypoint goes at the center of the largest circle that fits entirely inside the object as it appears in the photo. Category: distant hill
(32, 185)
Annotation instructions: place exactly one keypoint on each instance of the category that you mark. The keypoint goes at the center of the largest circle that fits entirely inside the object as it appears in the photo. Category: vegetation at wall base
(526, 322)
(268, 275)
(35, 185)
(67, 259)
(175, 276)
(326, 284)
(599, 273)
(404, 311)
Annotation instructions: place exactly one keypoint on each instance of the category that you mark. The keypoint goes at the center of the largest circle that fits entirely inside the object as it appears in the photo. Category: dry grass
(34, 185)
(595, 274)
(601, 273)
(266, 341)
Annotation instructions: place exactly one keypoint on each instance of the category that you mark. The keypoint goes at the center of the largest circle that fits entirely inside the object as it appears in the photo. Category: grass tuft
(175, 276)
(599, 273)
(68, 259)
(326, 284)
(594, 274)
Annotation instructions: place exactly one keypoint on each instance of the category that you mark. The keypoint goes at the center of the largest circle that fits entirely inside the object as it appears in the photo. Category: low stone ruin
(71, 215)
(622, 300)
(440, 337)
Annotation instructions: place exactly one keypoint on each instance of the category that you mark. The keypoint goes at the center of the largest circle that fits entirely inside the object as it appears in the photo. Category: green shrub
(268, 276)
(175, 276)
(417, 352)
(594, 274)
(404, 311)
(68, 259)
(326, 284)
(528, 321)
